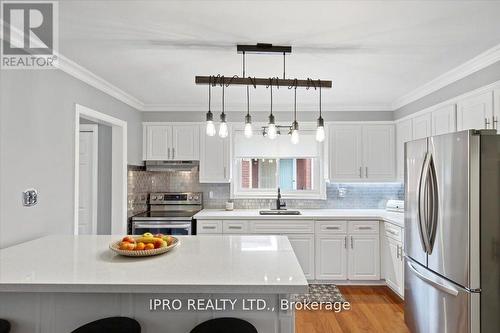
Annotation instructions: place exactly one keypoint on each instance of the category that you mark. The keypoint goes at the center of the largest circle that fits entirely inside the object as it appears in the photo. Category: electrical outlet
(211, 194)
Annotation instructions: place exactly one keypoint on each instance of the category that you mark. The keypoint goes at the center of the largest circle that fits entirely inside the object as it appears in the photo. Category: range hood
(171, 165)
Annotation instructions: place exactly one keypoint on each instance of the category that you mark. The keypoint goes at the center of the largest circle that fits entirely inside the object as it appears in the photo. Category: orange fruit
(140, 246)
(149, 246)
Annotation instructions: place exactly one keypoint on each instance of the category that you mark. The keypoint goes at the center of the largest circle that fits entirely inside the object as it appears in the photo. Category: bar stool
(111, 325)
(225, 325)
(4, 326)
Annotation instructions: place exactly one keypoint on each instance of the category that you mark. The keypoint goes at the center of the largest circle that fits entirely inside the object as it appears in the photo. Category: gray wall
(104, 171)
(476, 80)
(37, 111)
(263, 116)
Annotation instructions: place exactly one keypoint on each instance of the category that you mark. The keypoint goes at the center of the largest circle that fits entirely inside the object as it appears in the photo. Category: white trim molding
(264, 107)
(477, 63)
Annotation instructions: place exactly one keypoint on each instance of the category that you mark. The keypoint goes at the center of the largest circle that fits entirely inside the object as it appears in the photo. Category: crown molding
(263, 107)
(469, 67)
(81, 73)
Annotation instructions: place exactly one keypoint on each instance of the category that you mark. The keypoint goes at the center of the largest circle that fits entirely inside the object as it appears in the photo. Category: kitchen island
(57, 283)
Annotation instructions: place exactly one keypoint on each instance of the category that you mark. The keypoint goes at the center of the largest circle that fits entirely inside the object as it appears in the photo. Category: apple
(149, 246)
(124, 245)
(159, 243)
(130, 246)
(129, 239)
(168, 239)
(148, 235)
(159, 236)
(140, 246)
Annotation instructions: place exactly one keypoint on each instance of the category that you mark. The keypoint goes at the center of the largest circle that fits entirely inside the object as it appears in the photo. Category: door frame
(93, 128)
(118, 165)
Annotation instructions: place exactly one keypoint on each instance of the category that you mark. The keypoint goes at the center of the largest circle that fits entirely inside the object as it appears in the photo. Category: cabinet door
(331, 257)
(378, 152)
(393, 265)
(345, 144)
(303, 246)
(475, 112)
(496, 111)
(364, 257)
(214, 159)
(444, 120)
(422, 126)
(158, 142)
(185, 142)
(404, 133)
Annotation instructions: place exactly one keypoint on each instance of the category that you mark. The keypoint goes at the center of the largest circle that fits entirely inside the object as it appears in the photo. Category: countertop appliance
(452, 233)
(169, 214)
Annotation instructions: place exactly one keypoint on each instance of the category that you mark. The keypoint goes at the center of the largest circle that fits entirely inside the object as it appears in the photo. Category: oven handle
(170, 226)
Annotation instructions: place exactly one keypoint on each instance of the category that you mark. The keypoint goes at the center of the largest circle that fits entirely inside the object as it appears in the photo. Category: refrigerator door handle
(421, 212)
(447, 289)
(434, 205)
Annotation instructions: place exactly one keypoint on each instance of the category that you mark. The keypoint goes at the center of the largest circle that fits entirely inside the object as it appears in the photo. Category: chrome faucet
(280, 204)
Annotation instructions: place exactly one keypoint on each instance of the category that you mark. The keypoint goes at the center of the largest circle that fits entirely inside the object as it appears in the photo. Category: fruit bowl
(115, 246)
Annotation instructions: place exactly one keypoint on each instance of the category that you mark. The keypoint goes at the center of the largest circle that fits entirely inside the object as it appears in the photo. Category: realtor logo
(29, 35)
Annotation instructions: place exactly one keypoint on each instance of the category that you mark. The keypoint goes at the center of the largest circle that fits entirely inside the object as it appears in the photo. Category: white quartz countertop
(209, 264)
(317, 214)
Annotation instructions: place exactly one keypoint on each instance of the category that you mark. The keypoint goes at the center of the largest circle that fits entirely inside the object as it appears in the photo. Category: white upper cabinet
(185, 142)
(345, 145)
(158, 142)
(404, 133)
(214, 159)
(422, 126)
(361, 152)
(496, 110)
(171, 142)
(378, 152)
(444, 120)
(475, 112)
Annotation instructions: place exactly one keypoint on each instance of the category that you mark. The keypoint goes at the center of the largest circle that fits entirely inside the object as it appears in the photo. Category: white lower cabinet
(347, 250)
(393, 265)
(331, 257)
(393, 258)
(364, 257)
(303, 246)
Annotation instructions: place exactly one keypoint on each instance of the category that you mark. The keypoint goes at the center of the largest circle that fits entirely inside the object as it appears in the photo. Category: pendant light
(271, 127)
(248, 119)
(210, 116)
(223, 131)
(320, 130)
(295, 124)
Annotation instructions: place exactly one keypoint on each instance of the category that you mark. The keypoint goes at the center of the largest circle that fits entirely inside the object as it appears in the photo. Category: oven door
(162, 227)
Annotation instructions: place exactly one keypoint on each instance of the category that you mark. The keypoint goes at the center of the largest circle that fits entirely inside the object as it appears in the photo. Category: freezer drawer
(435, 305)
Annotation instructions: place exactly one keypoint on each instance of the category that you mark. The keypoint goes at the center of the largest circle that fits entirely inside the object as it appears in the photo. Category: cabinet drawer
(331, 227)
(209, 227)
(282, 227)
(363, 227)
(234, 227)
(393, 231)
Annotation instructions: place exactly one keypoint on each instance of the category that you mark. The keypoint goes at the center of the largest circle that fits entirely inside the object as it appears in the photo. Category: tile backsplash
(339, 195)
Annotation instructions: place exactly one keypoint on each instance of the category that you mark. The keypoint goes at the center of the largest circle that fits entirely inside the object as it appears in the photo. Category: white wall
(37, 110)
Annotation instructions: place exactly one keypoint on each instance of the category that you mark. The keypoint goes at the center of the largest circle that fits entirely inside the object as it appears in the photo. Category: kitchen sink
(279, 212)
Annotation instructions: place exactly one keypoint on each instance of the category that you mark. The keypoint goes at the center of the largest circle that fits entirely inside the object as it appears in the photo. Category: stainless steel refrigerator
(452, 233)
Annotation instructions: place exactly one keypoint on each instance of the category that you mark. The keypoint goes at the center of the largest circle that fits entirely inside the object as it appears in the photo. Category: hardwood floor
(373, 309)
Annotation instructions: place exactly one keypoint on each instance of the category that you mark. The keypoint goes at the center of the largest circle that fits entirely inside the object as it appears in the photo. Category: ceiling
(373, 51)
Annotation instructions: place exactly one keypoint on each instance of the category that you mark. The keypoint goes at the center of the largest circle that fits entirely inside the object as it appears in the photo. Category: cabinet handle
(224, 172)
(495, 122)
(352, 243)
(168, 153)
(173, 153)
(366, 173)
(345, 242)
(397, 253)
(365, 228)
(208, 227)
(332, 228)
(392, 232)
(360, 172)
(234, 227)
(486, 123)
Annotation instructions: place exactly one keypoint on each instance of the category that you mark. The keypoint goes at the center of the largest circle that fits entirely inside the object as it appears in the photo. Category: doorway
(117, 223)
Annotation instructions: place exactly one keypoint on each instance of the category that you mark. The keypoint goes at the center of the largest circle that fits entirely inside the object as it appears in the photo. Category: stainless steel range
(169, 214)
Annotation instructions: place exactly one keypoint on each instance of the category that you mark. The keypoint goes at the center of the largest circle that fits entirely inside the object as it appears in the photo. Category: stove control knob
(190, 198)
(196, 197)
(154, 197)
